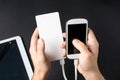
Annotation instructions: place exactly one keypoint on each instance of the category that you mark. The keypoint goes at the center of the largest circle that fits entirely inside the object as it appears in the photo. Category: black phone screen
(11, 63)
(76, 31)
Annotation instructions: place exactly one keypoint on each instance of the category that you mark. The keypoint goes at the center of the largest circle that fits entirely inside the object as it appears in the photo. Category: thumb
(41, 48)
(80, 46)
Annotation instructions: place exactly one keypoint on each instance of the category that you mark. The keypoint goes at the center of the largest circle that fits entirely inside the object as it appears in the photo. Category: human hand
(40, 62)
(87, 62)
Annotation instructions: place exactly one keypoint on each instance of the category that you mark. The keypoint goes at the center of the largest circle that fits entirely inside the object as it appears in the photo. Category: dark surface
(17, 18)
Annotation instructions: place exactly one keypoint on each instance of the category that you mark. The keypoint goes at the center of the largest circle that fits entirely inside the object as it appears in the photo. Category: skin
(40, 62)
(87, 62)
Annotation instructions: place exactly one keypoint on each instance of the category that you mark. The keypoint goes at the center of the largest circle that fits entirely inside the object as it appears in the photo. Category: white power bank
(49, 27)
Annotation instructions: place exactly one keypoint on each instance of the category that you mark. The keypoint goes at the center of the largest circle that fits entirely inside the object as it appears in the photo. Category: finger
(63, 45)
(91, 35)
(40, 49)
(80, 46)
(64, 54)
(92, 43)
(33, 42)
(64, 35)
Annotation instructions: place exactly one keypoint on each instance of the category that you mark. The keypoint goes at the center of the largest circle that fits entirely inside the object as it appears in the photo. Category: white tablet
(14, 62)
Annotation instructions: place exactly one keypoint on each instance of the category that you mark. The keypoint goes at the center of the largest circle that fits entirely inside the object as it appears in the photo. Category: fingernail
(75, 41)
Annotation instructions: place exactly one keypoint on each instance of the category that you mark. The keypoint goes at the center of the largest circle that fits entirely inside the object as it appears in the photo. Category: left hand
(40, 62)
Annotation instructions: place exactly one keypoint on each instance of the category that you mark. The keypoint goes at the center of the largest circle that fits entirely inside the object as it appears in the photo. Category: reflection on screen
(75, 31)
(11, 64)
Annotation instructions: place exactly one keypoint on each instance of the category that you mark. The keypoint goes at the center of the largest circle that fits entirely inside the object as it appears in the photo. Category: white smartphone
(75, 29)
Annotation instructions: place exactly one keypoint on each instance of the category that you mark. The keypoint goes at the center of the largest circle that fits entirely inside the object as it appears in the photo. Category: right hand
(87, 62)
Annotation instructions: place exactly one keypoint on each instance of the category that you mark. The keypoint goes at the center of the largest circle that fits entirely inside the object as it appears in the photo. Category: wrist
(93, 75)
(39, 76)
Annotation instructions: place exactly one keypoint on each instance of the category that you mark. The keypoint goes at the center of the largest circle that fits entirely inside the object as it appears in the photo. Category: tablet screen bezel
(23, 54)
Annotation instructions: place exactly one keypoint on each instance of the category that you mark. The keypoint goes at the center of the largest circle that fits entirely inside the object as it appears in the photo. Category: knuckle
(30, 50)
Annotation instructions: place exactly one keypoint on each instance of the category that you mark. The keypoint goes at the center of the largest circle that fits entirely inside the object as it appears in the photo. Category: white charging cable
(62, 62)
(75, 66)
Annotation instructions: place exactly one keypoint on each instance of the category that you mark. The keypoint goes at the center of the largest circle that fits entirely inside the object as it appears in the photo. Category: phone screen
(76, 31)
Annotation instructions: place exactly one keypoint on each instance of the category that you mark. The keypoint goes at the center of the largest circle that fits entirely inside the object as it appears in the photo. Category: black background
(17, 17)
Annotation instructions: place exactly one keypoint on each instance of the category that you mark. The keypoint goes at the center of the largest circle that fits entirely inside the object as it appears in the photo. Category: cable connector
(75, 65)
(62, 62)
